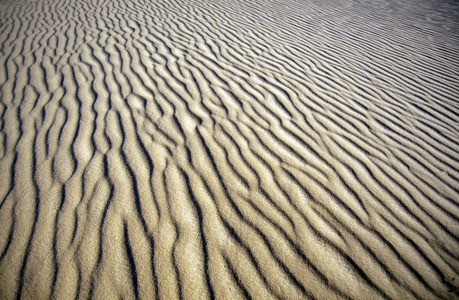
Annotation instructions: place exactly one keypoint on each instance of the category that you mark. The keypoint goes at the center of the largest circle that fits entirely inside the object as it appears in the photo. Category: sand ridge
(229, 149)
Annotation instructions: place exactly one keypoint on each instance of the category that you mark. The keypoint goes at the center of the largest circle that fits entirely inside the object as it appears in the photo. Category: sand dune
(229, 149)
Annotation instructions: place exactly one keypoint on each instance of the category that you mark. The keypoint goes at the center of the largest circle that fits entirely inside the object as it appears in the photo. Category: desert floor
(229, 149)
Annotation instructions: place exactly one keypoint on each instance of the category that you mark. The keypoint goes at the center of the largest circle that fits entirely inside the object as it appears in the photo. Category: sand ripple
(229, 149)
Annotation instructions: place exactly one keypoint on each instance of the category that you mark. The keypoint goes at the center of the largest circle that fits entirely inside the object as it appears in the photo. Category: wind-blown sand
(229, 149)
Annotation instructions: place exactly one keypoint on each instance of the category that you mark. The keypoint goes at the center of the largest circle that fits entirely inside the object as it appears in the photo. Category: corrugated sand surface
(229, 149)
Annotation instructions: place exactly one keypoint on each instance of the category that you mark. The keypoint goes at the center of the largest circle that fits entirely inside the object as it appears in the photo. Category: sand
(229, 149)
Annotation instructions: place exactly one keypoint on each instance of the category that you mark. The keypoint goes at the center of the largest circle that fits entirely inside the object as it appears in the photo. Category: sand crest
(229, 149)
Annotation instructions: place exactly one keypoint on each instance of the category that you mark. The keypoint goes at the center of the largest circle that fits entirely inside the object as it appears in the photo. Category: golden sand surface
(229, 149)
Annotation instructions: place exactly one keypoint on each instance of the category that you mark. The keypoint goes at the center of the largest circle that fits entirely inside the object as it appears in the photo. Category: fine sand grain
(229, 149)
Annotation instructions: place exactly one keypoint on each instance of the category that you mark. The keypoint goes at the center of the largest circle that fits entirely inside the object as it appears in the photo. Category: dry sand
(229, 149)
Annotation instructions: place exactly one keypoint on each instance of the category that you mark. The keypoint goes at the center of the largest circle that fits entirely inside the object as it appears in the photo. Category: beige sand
(229, 149)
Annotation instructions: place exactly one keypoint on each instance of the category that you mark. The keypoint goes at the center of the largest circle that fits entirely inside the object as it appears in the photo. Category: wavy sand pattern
(229, 149)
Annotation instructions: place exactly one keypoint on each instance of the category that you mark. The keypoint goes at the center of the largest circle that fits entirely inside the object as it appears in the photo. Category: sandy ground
(229, 149)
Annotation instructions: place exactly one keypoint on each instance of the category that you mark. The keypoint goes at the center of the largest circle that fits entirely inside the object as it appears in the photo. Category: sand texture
(229, 149)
